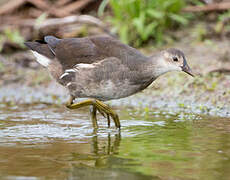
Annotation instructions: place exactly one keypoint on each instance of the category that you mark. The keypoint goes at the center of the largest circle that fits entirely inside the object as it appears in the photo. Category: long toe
(101, 112)
(105, 108)
(116, 120)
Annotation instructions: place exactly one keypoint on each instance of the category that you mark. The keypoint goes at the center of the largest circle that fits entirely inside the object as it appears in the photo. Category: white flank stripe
(70, 70)
(65, 74)
(44, 61)
(68, 84)
(82, 65)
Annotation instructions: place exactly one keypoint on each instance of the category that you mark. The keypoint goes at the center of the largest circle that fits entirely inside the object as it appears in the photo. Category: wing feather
(88, 50)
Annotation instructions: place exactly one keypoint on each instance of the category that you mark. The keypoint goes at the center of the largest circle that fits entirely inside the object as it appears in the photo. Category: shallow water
(51, 142)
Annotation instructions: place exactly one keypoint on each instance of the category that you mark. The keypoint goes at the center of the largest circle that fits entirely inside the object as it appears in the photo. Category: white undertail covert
(44, 61)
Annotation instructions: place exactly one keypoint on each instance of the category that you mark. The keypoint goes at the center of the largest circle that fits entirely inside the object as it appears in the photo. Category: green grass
(12, 36)
(138, 21)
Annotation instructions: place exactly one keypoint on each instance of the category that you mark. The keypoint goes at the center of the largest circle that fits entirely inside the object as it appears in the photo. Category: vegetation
(12, 36)
(138, 21)
(222, 25)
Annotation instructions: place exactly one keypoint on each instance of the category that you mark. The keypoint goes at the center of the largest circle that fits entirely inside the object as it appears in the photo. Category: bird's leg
(108, 118)
(100, 106)
(93, 112)
(103, 114)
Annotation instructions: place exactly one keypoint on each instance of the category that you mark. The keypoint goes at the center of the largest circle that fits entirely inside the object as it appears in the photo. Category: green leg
(101, 107)
(93, 112)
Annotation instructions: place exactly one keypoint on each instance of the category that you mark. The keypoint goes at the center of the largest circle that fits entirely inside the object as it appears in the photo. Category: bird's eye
(175, 58)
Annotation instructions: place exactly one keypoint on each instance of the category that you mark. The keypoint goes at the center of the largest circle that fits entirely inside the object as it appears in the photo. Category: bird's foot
(101, 107)
(108, 111)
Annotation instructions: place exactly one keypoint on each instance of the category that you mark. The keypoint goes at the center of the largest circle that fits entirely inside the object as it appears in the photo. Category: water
(51, 142)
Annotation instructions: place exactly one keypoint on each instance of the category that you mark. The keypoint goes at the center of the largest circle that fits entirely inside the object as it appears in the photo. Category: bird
(102, 68)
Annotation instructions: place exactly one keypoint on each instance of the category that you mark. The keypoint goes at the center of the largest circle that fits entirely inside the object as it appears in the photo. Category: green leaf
(146, 18)
(40, 20)
(155, 14)
(102, 6)
(167, 4)
(149, 30)
(14, 36)
(178, 18)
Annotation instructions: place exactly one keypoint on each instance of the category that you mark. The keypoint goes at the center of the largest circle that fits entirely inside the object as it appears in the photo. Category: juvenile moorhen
(102, 68)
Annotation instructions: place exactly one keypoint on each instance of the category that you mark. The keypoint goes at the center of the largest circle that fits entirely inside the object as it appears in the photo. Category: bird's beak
(187, 69)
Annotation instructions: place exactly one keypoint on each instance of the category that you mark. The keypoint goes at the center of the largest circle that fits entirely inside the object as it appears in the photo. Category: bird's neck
(158, 66)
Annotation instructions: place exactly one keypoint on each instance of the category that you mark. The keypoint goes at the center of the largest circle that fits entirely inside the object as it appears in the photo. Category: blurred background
(135, 22)
(176, 129)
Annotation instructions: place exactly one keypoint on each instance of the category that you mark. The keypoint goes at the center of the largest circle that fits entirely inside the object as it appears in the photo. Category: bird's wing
(88, 50)
(107, 69)
(111, 47)
(72, 51)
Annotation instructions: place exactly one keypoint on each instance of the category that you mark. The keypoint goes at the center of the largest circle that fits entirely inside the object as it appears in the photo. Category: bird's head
(173, 60)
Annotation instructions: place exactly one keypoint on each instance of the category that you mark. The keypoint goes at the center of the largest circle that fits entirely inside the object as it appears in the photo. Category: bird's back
(72, 51)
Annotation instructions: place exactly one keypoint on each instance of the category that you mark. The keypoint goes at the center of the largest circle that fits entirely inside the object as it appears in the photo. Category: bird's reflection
(102, 149)
(111, 146)
(101, 163)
